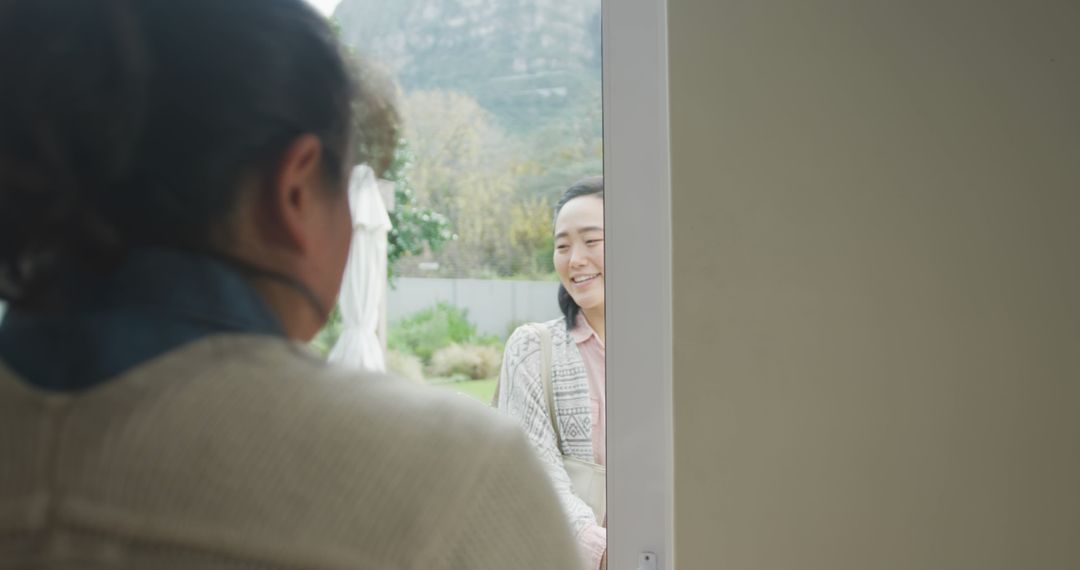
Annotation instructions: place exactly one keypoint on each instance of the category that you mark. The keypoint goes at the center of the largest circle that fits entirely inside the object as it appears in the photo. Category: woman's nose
(577, 258)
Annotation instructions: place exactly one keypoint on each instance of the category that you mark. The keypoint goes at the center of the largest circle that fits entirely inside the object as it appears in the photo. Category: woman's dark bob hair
(126, 123)
(591, 186)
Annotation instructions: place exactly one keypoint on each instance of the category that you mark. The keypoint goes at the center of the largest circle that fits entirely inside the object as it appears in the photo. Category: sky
(324, 6)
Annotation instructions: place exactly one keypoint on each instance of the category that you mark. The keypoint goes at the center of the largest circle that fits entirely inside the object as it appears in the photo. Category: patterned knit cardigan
(521, 395)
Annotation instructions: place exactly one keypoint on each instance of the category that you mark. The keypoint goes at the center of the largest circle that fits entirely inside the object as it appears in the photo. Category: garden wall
(494, 305)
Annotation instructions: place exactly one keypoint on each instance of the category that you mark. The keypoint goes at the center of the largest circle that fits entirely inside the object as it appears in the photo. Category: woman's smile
(584, 280)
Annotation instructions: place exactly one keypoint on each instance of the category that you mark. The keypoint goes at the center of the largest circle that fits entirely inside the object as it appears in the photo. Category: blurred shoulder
(344, 398)
(286, 445)
(278, 397)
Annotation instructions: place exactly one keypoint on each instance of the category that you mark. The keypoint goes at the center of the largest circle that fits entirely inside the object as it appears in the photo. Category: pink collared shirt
(593, 539)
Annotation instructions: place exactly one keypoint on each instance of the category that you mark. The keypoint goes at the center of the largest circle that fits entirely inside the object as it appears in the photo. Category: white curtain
(364, 284)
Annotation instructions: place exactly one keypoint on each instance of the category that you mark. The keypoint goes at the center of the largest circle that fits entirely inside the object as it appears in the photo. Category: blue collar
(156, 301)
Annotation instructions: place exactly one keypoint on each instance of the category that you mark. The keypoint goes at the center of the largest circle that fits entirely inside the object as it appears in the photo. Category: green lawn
(480, 389)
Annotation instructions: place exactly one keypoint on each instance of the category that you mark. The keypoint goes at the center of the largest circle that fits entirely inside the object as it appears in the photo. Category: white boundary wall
(494, 305)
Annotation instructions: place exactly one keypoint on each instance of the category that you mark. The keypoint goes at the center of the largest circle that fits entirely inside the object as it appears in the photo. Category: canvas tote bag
(588, 480)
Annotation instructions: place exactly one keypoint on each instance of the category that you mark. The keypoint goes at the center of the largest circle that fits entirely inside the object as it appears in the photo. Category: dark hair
(591, 186)
(127, 123)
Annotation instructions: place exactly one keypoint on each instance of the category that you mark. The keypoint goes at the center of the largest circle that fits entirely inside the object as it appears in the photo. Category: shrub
(405, 365)
(327, 336)
(490, 340)
(466, 361)
(428, 330)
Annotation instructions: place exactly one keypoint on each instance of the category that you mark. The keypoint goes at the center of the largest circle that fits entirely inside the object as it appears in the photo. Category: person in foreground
(575, 366)
(173, 229)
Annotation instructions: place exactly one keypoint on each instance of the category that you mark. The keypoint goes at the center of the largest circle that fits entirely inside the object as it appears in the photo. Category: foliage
(430, 329)
(327, 336)
(502, 105)
(405, 365)
(530, 232)
(460, 169)
(466, 361)
(415, 228)
(466, 167)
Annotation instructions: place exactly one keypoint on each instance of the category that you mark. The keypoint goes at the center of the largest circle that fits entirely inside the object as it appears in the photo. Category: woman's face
(579, 250)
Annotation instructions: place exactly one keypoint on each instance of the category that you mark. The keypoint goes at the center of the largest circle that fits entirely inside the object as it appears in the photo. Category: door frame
(640, 446)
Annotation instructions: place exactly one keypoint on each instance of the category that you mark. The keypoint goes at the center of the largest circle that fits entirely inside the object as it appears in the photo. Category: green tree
(462, 169)
(530, 232)
(415, 228)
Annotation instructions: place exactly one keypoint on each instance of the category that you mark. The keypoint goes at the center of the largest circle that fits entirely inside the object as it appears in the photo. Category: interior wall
(876, 216)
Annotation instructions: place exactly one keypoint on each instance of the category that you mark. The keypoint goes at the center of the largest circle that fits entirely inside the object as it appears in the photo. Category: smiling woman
(579, 252)
(553, 374)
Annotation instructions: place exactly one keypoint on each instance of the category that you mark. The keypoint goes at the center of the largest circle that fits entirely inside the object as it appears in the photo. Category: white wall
(876, 283)
(493, 304)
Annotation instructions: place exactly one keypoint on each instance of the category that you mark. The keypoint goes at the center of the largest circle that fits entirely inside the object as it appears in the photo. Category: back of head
(133, 122)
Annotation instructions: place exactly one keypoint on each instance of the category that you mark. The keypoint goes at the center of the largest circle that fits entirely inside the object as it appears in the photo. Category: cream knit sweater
(522, 397)
(247, 452)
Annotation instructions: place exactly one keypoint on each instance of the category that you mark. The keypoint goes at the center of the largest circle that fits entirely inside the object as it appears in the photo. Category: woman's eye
(594, 241)
(562, 247)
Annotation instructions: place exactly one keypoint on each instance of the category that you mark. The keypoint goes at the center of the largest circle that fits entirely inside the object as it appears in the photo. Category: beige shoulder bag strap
(545, 373)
